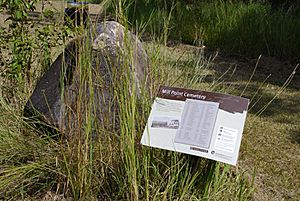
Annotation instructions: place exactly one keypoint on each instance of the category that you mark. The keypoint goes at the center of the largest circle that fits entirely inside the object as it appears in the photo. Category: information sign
(197, 122)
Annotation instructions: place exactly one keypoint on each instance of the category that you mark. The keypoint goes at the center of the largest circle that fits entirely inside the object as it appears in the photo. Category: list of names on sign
(198, 121)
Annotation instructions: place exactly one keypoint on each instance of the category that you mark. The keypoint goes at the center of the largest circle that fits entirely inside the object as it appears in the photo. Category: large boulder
(88, 71)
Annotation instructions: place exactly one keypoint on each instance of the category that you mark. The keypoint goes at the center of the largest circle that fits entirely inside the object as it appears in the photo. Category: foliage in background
(20, 37)
(251, 28)
(24, 43)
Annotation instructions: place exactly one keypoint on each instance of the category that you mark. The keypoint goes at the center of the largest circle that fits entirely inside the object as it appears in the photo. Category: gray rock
(88, 72)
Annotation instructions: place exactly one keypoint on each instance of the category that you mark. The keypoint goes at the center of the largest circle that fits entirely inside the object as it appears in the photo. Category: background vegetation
(246, 27)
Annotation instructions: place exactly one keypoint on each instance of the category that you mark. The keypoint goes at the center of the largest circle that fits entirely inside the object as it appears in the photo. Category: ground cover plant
(36, 164)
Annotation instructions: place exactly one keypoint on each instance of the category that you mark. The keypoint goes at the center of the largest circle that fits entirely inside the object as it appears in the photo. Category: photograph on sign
(199, 123)
(165, 122)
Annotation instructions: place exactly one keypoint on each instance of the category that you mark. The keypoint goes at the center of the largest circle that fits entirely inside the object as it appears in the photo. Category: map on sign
(197, 122)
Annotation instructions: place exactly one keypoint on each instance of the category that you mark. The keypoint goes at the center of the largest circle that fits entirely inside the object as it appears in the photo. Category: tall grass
(251, 28)
(28, 157)
(101, 158)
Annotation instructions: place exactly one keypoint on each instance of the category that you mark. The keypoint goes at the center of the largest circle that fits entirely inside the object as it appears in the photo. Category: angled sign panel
(197, 122)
